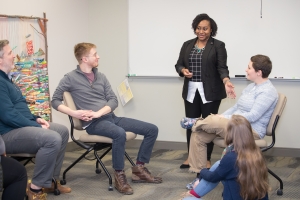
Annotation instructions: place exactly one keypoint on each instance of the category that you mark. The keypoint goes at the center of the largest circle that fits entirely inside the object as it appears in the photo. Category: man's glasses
(93, 55)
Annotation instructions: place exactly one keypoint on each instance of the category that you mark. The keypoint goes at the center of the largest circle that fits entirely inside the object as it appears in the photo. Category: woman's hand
(186, 73)
(229, 87)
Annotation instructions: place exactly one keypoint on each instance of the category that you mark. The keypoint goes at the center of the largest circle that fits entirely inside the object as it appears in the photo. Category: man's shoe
(28, 186)
(61, 188)
(34, 196)
(121, 183)
(140, 174)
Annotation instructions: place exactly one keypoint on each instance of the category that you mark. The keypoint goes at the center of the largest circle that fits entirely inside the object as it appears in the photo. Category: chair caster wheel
(56, 192)
(63, 182)
(110, 188)
(279, 192)
(98, 171)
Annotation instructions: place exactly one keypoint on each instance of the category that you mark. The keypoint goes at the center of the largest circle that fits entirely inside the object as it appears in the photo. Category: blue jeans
(204, 186)
(116, 127)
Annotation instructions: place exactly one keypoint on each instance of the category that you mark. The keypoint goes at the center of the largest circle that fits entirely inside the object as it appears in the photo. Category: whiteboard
(158, 28)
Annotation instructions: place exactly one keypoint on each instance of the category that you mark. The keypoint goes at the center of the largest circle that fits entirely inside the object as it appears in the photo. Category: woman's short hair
(203, 16)
(263, 63)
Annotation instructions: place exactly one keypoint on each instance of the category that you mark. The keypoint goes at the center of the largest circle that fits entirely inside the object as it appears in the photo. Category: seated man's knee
(65, 134)
(53, 140)
(62, 130)
(154, 130)
(120, 135)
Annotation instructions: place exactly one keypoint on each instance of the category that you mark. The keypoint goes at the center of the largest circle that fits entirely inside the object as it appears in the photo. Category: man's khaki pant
(204, 131)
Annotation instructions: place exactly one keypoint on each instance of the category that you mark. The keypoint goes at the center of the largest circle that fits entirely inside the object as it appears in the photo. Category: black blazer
(214, 68)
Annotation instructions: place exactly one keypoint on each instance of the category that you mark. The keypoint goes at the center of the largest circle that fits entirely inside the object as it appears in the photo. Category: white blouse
(193, 86)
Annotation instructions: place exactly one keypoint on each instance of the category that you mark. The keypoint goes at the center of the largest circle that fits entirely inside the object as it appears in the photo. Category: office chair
(28, 157)
(270, 132)
(91, 143)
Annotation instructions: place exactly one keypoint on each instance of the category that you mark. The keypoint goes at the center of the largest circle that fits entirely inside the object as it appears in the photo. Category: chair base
(56, 191)
(280, 190)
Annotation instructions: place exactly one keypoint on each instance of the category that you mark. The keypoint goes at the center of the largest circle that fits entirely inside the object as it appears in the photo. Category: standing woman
(203, 63)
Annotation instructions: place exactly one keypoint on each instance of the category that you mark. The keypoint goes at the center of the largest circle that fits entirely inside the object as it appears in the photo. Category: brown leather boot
(121, 183)
(34, 196)
(140, 174)
(61, 188)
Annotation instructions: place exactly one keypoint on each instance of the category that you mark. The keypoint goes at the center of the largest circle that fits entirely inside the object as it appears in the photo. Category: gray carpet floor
(86, 184)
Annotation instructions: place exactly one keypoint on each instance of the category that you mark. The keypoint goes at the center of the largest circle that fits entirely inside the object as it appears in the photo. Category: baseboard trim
(275, 151)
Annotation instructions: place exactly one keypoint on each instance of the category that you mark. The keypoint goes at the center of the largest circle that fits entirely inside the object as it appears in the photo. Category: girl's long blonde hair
(253, 172)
